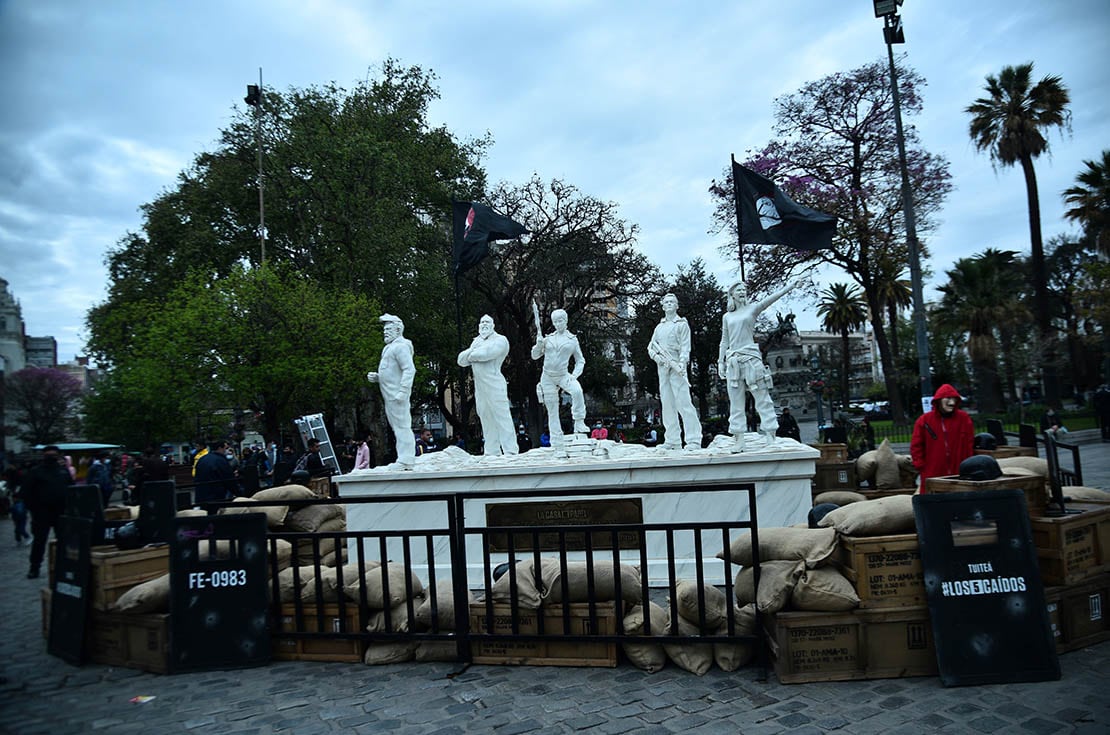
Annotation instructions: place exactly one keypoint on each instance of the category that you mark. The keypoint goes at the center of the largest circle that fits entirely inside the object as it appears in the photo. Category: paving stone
(831, 723)
(794, 719)
(1041, 726)
(516, 728)
(990, 723)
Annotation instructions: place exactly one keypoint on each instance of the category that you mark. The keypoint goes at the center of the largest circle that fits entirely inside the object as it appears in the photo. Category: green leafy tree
(1070, 283)
(1010, 123)
(41, 400)
(836, 152)
(978, 297)
(843, 310)
(266, 340)
(1089, 201)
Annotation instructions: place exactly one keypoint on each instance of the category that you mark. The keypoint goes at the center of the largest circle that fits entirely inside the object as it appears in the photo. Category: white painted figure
(491, 393)
(670, 348)
(395, 374)
(558, 349)
(740, 363)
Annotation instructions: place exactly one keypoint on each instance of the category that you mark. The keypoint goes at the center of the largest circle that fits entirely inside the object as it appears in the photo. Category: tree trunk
(1040, 287)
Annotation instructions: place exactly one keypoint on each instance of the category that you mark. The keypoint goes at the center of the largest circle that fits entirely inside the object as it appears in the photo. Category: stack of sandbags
(882, 469)
(547, 587)
(441, 620)
(879, 517)
(795, 571)
(710, 619)
(391, 587)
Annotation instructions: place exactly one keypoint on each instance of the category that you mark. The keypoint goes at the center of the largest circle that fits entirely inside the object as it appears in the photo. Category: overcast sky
(639, 102)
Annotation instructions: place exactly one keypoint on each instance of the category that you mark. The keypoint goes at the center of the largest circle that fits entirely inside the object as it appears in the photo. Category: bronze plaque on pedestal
(565, 513)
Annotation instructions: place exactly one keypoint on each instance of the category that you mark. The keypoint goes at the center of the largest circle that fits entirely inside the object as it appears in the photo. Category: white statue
(394, 376)
(740, 363)
(491, 393)
(670, 348)
(557, 350)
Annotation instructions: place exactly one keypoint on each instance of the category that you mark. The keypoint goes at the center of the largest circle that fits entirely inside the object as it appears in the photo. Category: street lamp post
(254, 99)
(818, 387)
(892, 34)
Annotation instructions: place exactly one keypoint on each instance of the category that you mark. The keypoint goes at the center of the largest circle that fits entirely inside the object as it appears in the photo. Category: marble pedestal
(782, 476)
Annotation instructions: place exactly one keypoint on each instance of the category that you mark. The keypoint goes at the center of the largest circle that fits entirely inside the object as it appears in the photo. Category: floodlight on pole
(892, 30)
(254, 99)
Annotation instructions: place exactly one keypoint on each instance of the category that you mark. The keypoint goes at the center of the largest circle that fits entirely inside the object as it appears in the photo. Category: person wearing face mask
(491, 393)
(943, 437)
(396, 371)
(44, 494)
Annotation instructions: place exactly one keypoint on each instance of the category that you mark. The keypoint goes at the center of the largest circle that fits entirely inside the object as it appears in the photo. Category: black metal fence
(377, 576)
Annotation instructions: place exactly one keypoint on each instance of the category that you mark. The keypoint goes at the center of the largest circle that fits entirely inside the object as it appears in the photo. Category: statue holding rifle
(557, 350)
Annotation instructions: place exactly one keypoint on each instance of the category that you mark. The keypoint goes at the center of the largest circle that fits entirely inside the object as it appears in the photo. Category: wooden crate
(117, 513)
(321, 486)
(1008, 451)
(885, 570)
(545, 653)
(1073, 548)
(835, 476)
(1079, 613)
(864, 644)
(115, 572)
(1031, 485)
(131, 641)
(831, 452)
(319, 649)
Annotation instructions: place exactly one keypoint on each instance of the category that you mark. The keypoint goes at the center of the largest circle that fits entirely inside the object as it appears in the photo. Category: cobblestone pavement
(41, 694)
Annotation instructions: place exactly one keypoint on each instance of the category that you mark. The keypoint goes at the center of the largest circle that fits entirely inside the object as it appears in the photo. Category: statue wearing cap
(394, 376)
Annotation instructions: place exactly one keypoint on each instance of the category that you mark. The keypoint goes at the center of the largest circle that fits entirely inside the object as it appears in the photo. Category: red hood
(946, 391)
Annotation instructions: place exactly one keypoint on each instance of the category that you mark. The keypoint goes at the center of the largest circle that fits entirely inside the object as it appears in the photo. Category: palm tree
(1090, 200)
(979, 297)
(1009, 124)
(894, 293)
(843, 309)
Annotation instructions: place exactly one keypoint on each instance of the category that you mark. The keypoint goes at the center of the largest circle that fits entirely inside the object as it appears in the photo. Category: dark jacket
(45, 487)
(215, 479)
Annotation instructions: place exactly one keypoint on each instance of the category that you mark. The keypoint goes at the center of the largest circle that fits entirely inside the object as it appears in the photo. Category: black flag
(474, 226)
(766, 215)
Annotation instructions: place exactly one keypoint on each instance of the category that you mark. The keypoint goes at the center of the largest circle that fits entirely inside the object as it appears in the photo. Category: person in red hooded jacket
(942, 438)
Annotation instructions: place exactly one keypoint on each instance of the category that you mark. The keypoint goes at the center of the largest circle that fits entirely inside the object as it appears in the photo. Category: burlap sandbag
(697, 658)
(436, 651)
(374, 580)
(812, 545)
(716, 604)
(604, 583)
(879, 517)
(331, 586)
(305, 551)
(1035, 464)
(865, 466)
(776, 584)
(445, 607)
(331, 559)
(529, 592)
(1082, 493)
(285, 493)
(312, 518)
(275, 514)
(731, 656)
(887, 473)
(1021, 472)
(190, 513)
(399, 621)
(389, 653)
(148, 597)
(907, 472)
(838, 497)
(824, 590)
(290, 586)
(647, 656)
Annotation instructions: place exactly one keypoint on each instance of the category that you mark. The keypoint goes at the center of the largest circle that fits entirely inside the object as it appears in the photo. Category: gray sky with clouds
(636, 102)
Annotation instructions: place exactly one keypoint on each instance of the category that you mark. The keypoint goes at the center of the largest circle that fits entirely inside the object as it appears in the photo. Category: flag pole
(461, 408)
(739, 224)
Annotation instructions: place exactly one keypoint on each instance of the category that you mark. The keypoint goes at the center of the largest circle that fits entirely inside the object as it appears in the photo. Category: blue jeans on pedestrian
(19, 518)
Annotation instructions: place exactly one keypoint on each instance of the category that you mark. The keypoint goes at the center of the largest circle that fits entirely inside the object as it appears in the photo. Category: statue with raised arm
(394, 376)
(670, 348)
(491, 393)
(740, 363)
(558, 349)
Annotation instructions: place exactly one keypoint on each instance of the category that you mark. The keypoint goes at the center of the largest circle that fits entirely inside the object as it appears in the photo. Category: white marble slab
(782, 476)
